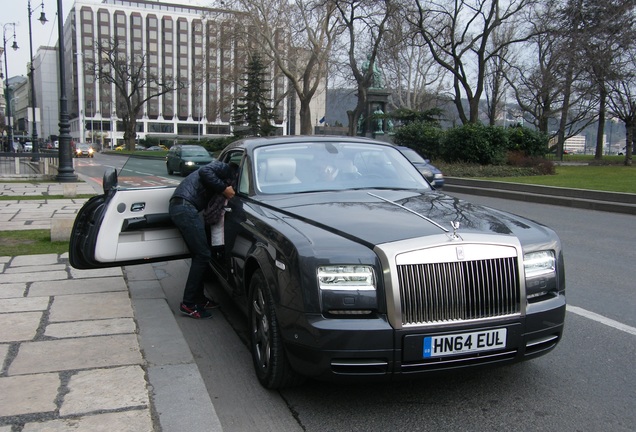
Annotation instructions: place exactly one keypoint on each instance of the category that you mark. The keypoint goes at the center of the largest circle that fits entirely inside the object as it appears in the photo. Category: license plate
(463, 343)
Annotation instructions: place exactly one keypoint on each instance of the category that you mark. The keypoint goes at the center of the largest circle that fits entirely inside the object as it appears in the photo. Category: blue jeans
(192, 227)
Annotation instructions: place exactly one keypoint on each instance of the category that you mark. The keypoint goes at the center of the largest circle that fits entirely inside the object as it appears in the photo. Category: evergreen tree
(253, 114)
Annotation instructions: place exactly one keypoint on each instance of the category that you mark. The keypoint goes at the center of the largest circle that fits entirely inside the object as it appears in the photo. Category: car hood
(382, 216)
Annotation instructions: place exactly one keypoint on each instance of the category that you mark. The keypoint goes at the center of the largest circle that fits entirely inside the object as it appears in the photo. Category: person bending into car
(189, 199)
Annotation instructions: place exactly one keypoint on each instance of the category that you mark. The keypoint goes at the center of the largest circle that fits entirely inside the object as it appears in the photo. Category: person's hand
(229, 192)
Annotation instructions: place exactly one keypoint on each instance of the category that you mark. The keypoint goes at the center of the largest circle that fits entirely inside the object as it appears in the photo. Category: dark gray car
(185, 159)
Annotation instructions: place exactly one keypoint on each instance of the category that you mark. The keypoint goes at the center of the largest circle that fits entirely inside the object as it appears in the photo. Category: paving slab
(34, 260)
(24, 304)
(91, 328)
(28, 394)
(12, 290)
(105, 272)
(148, 289)
(33, 277)
(160, 336)
(91, 306)
(19, 326)
(185, 380)
(4, 349)
(105, 389)
(71, 354)
(77, 286)
(127, 421)
(39, 268)
(140, 272)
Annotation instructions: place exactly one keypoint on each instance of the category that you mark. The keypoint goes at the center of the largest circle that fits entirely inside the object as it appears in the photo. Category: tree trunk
(306, 127)
(130, 133)
(565, 109)
(602, 100)
(629, 141)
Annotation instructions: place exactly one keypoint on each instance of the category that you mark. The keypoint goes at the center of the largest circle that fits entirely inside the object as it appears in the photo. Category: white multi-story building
(191, 43)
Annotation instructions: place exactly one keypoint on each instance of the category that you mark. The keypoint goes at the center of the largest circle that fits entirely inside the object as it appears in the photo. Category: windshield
(195, 153)
(412, 155)
(310, 167)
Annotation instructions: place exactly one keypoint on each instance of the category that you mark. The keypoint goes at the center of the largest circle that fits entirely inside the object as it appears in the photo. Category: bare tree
(410, 73)
(495, 79)
(134, 85)
(298, 37)
(459, 35)
(544, 79)
(365, 26)
(608, 30)
(622, 101)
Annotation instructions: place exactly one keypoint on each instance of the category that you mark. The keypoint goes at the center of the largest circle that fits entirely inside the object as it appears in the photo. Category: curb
(615, 202)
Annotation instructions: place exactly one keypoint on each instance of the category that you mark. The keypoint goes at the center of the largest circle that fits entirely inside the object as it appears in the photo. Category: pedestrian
(188, 201)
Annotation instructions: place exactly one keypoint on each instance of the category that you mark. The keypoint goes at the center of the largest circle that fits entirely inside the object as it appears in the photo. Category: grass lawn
(613, 178)
(29, 242)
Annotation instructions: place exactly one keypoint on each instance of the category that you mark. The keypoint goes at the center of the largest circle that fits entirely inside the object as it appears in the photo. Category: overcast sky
(43, 35)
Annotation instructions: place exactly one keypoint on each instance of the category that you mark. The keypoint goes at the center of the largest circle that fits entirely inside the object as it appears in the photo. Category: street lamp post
(34, 137)
(6, 69)
(65, 172)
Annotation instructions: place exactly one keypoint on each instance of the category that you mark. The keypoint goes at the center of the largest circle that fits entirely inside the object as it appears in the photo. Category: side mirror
(109, 181)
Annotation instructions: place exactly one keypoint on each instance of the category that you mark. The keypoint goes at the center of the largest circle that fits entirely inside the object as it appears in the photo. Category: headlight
(539, 263)
(346, 277)
(189, 163)
(90, 151)
(540, 268)
(439, 176)
(347, 291)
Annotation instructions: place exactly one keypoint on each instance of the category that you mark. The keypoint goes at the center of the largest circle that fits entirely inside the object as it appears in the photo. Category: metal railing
(20, 165)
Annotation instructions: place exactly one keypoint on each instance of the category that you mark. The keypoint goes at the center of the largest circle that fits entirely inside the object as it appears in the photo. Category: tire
(170, 172)
(266, 343)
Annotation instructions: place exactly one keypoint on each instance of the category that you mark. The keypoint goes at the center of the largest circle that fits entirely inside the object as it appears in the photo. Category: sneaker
(196, 311)
(210, 304)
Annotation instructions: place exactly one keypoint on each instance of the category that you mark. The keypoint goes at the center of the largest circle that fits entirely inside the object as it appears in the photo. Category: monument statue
(377, 81)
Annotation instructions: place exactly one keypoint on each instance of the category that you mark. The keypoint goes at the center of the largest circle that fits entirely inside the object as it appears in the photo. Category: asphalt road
(585, 384)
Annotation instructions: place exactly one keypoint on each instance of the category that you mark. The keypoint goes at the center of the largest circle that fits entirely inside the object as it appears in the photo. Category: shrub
(538, 164)
(528, 141)
(475, 143)
(425, 138)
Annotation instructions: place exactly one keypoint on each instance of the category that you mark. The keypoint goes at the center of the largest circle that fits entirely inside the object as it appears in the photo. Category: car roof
(253, 142)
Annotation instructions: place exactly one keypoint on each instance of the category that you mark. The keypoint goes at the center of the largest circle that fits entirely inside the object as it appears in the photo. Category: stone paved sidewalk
(69, 349)
(28, 214)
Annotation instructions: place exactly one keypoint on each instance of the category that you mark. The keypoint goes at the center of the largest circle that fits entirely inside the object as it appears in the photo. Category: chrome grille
(457, 291)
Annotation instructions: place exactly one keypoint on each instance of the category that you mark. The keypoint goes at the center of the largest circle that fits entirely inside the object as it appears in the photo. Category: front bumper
(336, 349)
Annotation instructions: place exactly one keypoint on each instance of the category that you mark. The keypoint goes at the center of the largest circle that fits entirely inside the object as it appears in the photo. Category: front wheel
(272, 367)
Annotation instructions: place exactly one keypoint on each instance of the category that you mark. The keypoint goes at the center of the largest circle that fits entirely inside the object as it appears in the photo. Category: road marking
(603, 320)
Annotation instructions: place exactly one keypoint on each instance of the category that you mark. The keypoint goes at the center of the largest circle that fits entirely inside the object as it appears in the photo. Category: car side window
(236, 157)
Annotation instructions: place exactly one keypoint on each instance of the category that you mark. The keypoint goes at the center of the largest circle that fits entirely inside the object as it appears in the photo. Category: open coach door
(124, 226)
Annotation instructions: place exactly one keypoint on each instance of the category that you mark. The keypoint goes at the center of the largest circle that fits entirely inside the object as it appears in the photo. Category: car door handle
(137, 207)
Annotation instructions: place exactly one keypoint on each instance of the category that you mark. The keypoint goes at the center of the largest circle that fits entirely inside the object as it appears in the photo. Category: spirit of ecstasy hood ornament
(455, 225)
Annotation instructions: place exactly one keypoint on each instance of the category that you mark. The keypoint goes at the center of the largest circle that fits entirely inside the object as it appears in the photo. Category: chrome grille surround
(441, 280)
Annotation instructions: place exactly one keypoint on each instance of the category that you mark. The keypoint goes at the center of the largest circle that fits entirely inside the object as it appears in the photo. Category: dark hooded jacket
(201, 185)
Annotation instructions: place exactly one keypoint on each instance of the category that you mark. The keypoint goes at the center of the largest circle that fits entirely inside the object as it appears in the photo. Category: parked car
(83, 150)
(28, 146)
(157, 148)
(348, 265)
(429, 171)
(185, 159)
